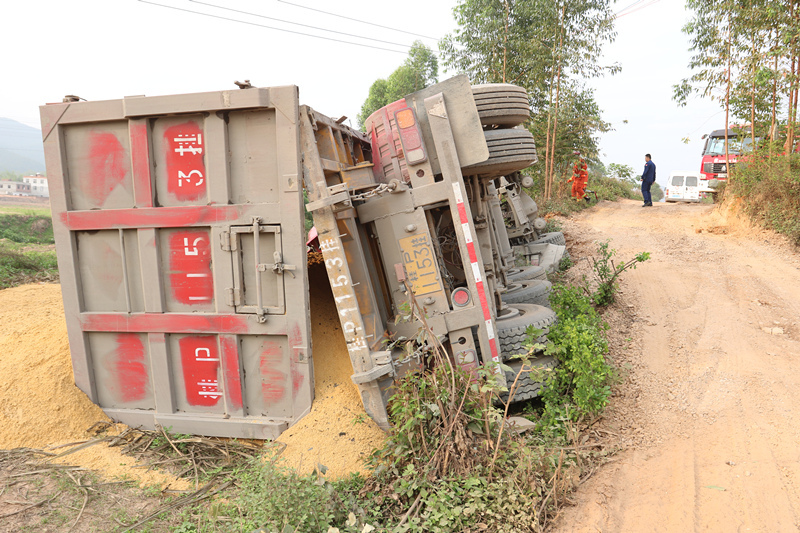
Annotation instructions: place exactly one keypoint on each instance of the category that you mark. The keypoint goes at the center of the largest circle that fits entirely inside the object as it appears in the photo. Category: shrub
(610, 188)
(606, 272)
(579, 386)
(26, 228)
(277, 499)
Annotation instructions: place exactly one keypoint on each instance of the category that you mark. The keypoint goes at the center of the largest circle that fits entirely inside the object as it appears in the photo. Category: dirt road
(708, 412)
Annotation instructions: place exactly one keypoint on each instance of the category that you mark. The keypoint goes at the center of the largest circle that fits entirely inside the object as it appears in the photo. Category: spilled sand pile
(40, 406)
(336, 433)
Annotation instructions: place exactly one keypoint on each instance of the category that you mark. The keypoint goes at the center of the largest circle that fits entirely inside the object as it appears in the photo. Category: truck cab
(714, 166)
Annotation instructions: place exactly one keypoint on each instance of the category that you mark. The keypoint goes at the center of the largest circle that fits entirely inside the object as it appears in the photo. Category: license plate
(420, 263)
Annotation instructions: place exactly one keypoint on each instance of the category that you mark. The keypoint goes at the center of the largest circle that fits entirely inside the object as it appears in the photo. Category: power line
(628, 7)
(356, 20)
(298, 24)
(705, 122)
(272, 28)
(639, 8)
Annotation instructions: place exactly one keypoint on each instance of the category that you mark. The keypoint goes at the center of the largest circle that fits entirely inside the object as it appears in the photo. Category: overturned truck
(181, 246)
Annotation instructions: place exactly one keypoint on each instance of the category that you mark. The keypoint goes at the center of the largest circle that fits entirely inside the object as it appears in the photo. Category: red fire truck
(714, 166)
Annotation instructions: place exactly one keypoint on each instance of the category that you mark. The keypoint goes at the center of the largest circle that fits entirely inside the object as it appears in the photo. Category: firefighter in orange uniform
(579, 179)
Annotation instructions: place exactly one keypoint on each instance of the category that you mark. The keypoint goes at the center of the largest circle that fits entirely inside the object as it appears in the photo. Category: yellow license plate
(420, 263)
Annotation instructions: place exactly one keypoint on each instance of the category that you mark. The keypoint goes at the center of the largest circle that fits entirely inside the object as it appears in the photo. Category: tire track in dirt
(706, 414)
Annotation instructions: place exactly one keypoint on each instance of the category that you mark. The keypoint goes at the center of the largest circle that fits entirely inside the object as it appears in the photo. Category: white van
(683, 186)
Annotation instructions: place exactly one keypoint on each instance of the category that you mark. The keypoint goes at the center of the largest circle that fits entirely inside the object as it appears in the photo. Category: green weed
(276, 498)
(606, 272)
(22, 259)
(579, 386)
(18, 267)
(29, 211)
(26, 228)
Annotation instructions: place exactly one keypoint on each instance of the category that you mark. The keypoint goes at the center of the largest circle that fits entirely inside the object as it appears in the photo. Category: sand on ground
(40, 406)
(707, 414)
(337, 433)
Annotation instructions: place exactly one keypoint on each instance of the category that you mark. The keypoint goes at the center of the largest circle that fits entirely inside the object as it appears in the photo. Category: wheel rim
(508, 312)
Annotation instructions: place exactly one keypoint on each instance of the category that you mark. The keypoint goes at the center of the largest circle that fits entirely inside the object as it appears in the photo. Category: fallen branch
(197, 496)
(163, 432)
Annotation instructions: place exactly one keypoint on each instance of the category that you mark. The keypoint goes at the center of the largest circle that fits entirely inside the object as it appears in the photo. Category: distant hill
(20, 147)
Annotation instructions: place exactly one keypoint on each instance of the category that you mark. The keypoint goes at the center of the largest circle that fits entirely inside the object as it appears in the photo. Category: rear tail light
(461, 297)
(410, 136)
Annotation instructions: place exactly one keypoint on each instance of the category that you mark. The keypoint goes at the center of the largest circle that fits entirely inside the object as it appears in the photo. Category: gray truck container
(180, 241)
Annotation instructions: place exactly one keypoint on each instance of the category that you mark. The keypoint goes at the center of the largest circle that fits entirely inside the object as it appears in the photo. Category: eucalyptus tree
(546, 46)
(712, 43)
(745, 56)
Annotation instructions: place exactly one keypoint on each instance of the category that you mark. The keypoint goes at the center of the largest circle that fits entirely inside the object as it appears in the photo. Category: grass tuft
(26, 249)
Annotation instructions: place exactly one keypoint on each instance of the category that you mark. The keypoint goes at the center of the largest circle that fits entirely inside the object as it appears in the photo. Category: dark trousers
(646, 192)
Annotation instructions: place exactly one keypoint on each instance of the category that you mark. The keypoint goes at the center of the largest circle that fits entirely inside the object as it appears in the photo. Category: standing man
(648, 178)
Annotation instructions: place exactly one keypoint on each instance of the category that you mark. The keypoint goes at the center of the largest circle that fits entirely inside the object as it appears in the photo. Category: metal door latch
(278, 266)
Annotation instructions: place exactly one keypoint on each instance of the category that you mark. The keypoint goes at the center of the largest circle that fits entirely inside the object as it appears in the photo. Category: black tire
(501, 104)
(534, 291)
(487, 90)
(554, 237)
(528, 272)
(502, 99)
(510, 150)
(511, 332)
(526, 388)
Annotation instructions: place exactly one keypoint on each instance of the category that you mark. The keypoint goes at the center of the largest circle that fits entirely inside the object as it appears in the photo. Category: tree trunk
(727, 102)
(753, 87)
(552, 155)
(772, 132)
(547, 188)
(792, 84)
(505, 41)
(547, 142)
(549, 178)
(789, 129)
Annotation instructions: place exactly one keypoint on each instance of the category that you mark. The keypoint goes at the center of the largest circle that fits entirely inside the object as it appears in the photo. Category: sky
(108, 49)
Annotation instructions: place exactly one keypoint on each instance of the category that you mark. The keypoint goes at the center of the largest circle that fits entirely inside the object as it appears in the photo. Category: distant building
(38, 184)
(15, 188)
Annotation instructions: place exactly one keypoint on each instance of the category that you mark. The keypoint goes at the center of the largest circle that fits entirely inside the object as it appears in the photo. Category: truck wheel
(526, 388)
(535, 292)
(526, 273)
(554, 237)
(511, 332)
(501, 104)
(509, 151)
(529, 272)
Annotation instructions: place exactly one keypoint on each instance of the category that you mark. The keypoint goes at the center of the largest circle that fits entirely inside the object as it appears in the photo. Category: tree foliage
(420, 69)
(10, 175)
(746, 57)
(622, 172)
(548, 47)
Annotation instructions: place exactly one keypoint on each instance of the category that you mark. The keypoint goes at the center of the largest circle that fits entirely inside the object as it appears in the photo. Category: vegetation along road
(707, 413)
